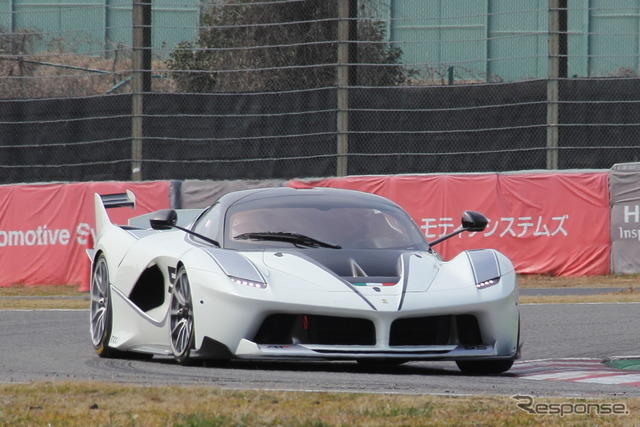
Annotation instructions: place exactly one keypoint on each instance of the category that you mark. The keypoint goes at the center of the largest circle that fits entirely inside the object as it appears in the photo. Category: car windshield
(350, 227)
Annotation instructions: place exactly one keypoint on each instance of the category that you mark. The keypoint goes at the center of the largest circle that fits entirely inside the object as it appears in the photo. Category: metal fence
(159, 89)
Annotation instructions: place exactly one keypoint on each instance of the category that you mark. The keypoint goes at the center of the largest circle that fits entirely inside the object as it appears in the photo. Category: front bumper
(250, 350)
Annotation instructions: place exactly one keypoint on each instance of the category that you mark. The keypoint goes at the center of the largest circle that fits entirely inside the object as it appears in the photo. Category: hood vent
(356, 270)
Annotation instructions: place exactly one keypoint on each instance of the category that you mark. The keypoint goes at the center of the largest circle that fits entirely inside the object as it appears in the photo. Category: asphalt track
(564, 345)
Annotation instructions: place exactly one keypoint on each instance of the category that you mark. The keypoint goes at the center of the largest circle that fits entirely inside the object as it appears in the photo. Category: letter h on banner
(628, 213)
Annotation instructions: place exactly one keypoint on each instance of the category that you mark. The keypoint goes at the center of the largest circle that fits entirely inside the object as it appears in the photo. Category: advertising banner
(46, 229)
(546, 223)
(625, 218)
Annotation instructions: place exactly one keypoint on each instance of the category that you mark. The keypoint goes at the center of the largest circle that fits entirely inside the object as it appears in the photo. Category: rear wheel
(181, 319)
(100, 310)
(484, 367)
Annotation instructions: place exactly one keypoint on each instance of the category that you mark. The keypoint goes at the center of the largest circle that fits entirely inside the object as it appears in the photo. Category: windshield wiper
(295, 238)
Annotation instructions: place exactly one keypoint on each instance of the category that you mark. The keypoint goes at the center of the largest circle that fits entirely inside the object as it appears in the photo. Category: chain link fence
(260, 89)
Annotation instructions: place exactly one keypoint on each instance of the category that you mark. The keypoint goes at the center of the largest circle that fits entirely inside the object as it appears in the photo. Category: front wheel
(484, 367)
(181, 319)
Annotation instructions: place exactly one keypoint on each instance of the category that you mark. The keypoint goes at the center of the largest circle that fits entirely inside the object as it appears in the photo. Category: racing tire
(100, 311)
(181, 323)
(484, 367)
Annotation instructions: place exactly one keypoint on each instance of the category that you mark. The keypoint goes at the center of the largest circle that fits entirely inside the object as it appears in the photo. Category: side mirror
(164, 219)
(471, 221)
(167, 219)
(474, 221)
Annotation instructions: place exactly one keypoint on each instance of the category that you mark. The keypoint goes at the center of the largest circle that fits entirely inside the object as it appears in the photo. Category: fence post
(557, 57)
(552, 84)
(141, 82)
(342, 125)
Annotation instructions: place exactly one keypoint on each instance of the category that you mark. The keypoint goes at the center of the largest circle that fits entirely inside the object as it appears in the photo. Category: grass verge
(107, 404)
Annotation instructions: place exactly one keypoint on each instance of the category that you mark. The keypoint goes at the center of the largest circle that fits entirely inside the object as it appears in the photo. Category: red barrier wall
(46, 229)
(547, 223)
(553, 223)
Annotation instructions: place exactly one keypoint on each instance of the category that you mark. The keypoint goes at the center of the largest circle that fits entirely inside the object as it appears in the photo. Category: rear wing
(102, 202)
(119, 200)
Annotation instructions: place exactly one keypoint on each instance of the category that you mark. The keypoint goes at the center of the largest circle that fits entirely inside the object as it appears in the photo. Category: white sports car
(283, 273)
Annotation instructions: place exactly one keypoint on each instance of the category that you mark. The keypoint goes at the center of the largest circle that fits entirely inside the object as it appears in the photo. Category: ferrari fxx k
(283, 273)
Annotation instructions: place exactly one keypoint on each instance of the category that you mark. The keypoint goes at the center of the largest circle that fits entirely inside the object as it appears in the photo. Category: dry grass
(42, 298)
(625, 288)
(542, 281)
(81, 303)
(59, 75)
(613, 297)
(41, 291)
(81, 404)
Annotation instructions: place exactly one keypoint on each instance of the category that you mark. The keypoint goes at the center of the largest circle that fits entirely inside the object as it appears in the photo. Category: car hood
(331, 269)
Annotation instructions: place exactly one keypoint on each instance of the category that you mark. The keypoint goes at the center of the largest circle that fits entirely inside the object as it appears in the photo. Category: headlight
(247, 282)
(488, 283)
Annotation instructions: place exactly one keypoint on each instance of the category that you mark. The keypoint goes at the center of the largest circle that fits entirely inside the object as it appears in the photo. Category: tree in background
(280, 45)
